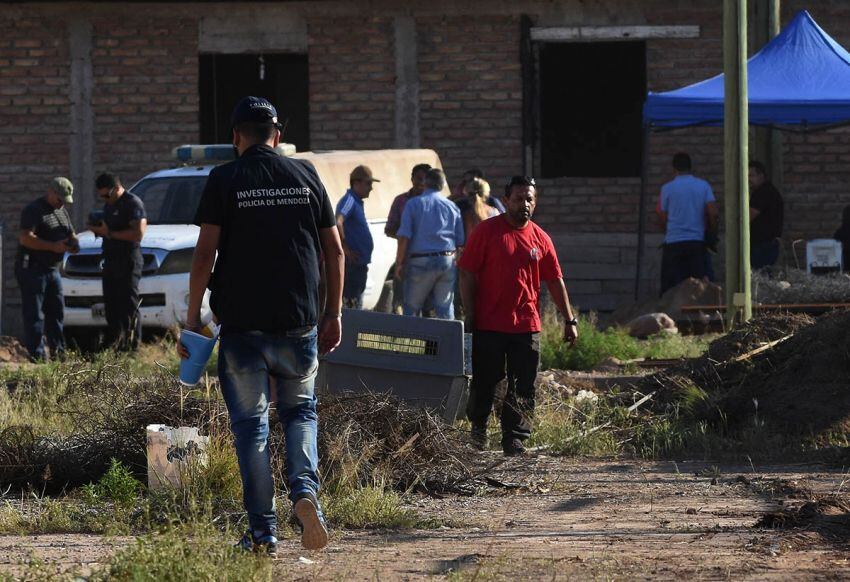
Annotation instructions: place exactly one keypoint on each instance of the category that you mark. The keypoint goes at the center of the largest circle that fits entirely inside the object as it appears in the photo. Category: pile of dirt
(11, 351)
(362, 438)
(798, 286)
(755, 333)
(796, 383)
(829, 516)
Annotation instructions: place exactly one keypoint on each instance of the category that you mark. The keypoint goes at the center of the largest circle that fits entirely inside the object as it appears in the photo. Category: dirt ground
(557, 518)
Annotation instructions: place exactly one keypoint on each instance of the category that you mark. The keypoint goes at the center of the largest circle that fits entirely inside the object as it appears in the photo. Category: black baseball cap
(254, 110)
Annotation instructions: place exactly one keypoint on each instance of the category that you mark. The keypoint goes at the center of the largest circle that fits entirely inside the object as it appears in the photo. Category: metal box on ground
(415, 359)
(823, 255)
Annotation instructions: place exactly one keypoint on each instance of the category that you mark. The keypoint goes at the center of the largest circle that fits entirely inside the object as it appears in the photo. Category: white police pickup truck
(171, 197)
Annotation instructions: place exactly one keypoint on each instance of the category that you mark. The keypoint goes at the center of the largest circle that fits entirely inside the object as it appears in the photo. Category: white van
(171, 198)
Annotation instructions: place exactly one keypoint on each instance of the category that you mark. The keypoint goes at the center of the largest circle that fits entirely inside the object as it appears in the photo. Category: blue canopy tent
(799, 81)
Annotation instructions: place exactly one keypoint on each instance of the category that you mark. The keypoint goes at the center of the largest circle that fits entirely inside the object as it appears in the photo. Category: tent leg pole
(774, 20)
(736, 187)
(641, 242)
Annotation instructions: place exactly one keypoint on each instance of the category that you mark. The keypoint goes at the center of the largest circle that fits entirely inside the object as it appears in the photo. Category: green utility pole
(736, 150)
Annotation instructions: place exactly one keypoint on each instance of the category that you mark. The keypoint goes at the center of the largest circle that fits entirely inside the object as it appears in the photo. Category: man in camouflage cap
(46, 235)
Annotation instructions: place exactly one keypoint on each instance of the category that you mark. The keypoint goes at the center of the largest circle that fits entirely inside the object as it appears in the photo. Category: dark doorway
(280, 78)
(591, 96)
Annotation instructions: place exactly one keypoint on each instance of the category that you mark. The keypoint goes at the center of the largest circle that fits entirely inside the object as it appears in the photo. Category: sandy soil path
(572, 519)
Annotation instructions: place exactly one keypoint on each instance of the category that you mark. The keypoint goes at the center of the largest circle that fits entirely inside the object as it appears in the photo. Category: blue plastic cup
(200, 349)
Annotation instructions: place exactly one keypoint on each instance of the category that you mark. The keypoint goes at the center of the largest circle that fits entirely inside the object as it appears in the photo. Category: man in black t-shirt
(122, 229)
(766, 217)
(46, 235)
(271, 222)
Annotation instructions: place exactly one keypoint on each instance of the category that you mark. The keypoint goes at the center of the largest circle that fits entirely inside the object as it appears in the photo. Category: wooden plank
(598, 33)
(772, 307)
(635, 406)
(760, 349)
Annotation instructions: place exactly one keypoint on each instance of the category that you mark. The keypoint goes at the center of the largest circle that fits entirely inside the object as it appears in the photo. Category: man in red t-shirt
(505, 259)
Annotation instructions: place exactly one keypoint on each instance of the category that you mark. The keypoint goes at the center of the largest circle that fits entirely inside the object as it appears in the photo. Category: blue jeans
(430, 277)
(246, 361)
(43, 309)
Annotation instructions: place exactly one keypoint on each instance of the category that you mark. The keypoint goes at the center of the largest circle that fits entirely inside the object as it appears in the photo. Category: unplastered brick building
(552, 88)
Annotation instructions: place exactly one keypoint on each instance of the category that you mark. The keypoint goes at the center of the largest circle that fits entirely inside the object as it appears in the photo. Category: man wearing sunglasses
(122, 228)
(503, 264)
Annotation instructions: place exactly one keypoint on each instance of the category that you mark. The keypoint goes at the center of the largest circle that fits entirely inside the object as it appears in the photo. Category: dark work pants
(121, 298)
(43, 309)
(682, 260)
(492, 352)
(354, 285)
(764, 254)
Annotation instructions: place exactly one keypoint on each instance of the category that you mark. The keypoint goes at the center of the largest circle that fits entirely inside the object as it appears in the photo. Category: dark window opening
(280, 78)
(591, 97)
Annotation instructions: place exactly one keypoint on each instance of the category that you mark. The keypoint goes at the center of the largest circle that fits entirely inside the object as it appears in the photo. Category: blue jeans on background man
(432, 277)
(245, 363)
(354, 285)
(43, 309)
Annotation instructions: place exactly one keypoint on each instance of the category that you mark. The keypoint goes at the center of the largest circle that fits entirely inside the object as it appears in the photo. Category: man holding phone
(122, 228)
(46, 235)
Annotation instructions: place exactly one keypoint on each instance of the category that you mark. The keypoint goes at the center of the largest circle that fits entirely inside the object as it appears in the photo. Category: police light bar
(218, 153)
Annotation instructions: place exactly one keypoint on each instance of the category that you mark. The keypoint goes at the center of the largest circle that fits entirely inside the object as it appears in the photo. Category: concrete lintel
(81, 122)
(253, 31)
(602, 33)
(407, 130)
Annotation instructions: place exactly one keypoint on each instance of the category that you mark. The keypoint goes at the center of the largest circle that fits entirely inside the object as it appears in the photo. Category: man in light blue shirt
(430, 235)
(687, 210)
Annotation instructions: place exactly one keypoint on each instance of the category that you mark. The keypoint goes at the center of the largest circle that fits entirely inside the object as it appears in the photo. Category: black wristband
(572, 321)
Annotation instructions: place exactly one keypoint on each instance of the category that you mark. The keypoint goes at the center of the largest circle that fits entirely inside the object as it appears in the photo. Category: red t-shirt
(509, 264)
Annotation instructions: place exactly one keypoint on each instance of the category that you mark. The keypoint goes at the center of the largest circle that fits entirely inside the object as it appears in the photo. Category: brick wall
(471, 93)
(352, 83)
(816, 166)
(594, 221)
(33, 125)
(145, 96)
(144, 102)
(610, 205)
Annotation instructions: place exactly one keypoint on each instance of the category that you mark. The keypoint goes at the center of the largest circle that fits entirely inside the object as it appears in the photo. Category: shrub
(369, 506)
(118, 485)
(594, 346)
(195, 552)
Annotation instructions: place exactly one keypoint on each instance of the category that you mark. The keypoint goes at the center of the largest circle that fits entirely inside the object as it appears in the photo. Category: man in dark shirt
(766, 217)
(842, 235)
(46, 235)
(271, 222)
(122, 229)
